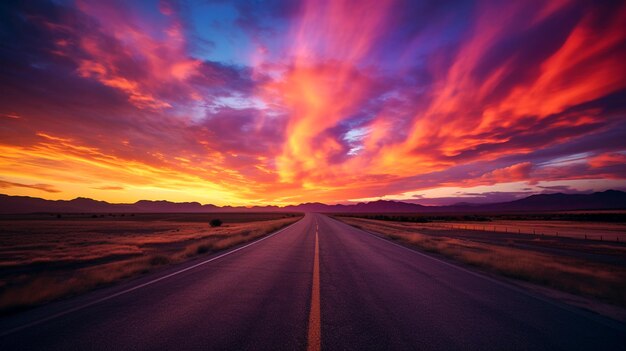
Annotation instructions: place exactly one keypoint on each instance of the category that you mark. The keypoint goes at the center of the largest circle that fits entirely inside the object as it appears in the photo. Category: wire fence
(539, 232)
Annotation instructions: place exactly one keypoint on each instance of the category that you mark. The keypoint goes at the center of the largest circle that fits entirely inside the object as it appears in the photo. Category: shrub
(202, 249)
(215, 222)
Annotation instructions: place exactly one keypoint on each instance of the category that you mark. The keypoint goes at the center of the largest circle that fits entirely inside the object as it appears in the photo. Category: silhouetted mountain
(464, 204)
(26, 204)
(311, 207)
(167, 206)
(83, 204)
(606, 200)
(388, 206)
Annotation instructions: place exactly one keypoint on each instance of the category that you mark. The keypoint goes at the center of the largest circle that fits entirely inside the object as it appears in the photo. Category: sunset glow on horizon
(283, 102)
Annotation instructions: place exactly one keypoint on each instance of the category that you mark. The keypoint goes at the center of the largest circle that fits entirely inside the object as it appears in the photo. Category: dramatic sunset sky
(280, 102)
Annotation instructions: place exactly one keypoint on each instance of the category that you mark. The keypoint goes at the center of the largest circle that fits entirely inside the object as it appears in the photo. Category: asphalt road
(317, 283)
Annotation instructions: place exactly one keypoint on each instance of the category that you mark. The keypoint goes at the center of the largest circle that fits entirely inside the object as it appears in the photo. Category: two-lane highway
(316, 283)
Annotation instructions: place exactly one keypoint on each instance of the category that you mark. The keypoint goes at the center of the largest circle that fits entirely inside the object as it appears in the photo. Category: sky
(283, 102)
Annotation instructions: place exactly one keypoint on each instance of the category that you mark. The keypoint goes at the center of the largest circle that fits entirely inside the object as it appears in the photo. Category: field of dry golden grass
(583, 267)
(44, 259)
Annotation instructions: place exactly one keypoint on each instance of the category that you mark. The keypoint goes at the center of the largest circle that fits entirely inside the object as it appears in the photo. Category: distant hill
(606, 200)
(167, 206)
(374, 206)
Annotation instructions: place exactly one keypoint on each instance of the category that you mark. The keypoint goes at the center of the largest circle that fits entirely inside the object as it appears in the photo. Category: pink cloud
(607, 159)
(513, 173)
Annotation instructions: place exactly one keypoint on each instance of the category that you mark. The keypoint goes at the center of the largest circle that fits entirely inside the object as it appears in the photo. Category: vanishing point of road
(317, 284)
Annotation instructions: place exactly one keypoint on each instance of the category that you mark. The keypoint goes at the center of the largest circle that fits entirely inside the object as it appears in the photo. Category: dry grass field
(569, 263)
(43, 257)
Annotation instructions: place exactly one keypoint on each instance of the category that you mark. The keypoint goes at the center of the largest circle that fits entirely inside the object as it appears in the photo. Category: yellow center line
(315, 330)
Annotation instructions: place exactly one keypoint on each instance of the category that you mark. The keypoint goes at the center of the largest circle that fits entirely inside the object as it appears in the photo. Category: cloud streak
(43, 187)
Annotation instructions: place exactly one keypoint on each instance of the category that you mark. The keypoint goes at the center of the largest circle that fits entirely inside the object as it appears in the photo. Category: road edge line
(606, 321)
(123, 292)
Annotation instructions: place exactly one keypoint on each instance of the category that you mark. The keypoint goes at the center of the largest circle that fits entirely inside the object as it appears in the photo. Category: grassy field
(581, 230)
(43, 257)
(599, 225)
(569, 263)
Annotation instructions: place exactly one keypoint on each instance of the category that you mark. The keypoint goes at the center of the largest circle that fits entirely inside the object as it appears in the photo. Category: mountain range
(606, 200)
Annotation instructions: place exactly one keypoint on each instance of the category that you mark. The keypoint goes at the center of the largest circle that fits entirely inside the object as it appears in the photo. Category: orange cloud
(463, 113)
(43, 187)
(323, 85)
(109, 187)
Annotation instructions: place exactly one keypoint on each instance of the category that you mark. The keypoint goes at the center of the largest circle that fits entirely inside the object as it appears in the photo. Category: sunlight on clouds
(284, 102)
(73, 169)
